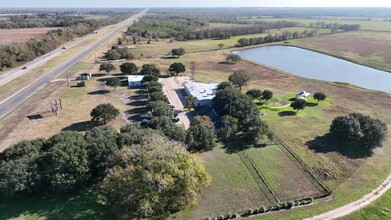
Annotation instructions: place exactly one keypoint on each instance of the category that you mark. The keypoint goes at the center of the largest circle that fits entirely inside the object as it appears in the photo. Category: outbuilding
(135, 80)
(204, 92)
(302, 95)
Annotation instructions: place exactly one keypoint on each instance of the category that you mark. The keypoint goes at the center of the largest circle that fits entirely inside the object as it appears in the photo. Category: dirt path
(356, 205)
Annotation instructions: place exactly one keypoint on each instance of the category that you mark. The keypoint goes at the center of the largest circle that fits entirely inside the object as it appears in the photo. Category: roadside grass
(379, 209)
(365, 25)
(85, 204)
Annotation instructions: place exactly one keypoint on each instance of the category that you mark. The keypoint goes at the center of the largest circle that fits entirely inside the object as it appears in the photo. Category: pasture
(375, 25)
(24, 34)
(363, 47)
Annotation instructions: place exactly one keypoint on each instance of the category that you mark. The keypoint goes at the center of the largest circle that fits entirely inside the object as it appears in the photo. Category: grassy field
(221, 25)
(363, 47)
(365, 25)
(380, 209)
(83, 205)
(165, 46)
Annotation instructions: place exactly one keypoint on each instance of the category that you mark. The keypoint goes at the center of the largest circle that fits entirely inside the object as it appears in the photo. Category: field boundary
(258, 177)
(303, 167)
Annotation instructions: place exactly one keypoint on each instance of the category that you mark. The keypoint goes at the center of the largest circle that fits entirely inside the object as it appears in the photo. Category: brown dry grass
(24, 34)
(367, 48)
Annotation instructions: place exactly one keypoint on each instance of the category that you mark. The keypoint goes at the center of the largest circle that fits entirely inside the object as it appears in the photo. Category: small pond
(309, 64)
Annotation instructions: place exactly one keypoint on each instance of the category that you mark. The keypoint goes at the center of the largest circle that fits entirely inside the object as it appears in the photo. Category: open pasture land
(367, 48)
(374, 25)
(165, 46)
(24, 34)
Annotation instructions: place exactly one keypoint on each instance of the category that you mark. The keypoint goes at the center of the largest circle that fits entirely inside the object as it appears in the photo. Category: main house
(204, 92)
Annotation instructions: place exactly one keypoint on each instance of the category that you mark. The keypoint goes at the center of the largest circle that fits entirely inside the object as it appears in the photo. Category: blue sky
(193, 3)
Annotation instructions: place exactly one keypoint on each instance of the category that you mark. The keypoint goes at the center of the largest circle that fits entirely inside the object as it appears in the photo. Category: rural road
(356, 205)
(10, 103)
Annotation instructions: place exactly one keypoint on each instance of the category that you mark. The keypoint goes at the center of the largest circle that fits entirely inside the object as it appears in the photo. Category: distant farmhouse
(135, 80)
(202, 91)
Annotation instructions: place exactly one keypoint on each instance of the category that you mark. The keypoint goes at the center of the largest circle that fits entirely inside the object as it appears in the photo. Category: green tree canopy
(254, 93)
(178, 52)
(233, 58)
(267, 95)
(190, 101)
(65, 164)
(298, 104)
(239, 78)
(101, 144)
(113, 82)
(201, 135)
(320, 96)
(150, 69)
(176, 69)
(107, 67)
(129, 68)
(361, 130)
(166, 176)
(104, 113)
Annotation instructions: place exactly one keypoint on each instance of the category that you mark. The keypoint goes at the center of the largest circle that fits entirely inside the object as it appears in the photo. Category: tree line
(17, 53)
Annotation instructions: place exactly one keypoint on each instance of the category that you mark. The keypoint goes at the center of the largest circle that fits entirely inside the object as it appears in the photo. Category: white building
(135, 80)
(202, 91)
(302, 95)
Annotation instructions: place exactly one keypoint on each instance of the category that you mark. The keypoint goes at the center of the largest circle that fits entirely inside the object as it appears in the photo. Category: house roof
(202, 91)
(135, 78)
(303, 93)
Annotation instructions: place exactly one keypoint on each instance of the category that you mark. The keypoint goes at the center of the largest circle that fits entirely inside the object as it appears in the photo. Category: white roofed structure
(204, 92)
(303, 95)
(135, 80)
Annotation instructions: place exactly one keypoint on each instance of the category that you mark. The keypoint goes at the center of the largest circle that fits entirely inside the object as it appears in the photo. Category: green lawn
(84, 205)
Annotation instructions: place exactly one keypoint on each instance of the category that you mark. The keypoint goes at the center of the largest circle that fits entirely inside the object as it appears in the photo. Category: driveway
(173, 88)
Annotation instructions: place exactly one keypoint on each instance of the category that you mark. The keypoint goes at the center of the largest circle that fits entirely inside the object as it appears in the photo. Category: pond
(309, 64)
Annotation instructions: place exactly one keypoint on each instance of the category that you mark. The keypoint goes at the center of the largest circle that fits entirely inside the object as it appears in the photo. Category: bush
(290, 204)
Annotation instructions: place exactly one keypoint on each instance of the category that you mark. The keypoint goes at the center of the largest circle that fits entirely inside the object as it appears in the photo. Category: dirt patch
(323, 174)
(24, 34)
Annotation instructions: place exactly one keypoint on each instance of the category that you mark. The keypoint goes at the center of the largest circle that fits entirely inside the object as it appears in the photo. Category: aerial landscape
(204, 110)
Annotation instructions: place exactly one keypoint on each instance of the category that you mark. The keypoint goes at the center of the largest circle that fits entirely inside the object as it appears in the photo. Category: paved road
(10, 103)
(16, 72)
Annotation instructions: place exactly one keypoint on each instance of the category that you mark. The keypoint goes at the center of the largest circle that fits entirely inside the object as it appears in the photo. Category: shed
(135, 80)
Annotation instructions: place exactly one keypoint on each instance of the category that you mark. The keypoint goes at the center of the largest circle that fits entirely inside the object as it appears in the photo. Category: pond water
(315, 65)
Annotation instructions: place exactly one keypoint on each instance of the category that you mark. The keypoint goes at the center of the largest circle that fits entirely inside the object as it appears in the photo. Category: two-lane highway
(10, 103)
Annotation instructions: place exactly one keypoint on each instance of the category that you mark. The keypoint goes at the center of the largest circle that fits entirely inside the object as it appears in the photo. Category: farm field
(24, 34)
(363, 47)
(365, 25)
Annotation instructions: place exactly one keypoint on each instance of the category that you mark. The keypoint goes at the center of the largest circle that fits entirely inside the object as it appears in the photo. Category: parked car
(144, 121)
(146, 116)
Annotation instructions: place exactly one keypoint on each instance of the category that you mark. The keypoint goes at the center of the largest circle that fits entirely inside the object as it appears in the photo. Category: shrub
(250, 211)
(222, 217)
(290, 204)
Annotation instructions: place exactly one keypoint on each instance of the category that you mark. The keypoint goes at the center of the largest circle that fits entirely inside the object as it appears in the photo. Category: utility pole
(67, 80)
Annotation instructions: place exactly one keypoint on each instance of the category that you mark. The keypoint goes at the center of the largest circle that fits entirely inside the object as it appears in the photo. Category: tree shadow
(137, 111)
(138, 102)
(81, 205)
(80, 126)
(226, 63)
(328, 143)
(169, 57)
(311, 104)
(236, 146)
(287, 113)
(118, 74)
(98, 74)
(292, 99)
(99, 92)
